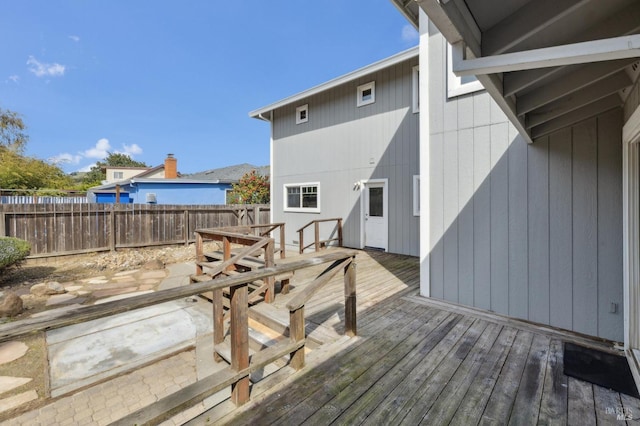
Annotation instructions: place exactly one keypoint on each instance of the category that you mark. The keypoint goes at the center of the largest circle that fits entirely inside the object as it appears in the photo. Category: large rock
(48, 289)
(153, 265)
(11, 305)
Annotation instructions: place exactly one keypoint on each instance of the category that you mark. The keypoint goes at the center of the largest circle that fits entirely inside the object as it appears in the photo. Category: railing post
(269, 262)
(350, 327)
(301, 240)
(296, 334)
(282, 249)
(218, 322)
(317, 235)
(240, 341)
(339, 232)
(199, 253)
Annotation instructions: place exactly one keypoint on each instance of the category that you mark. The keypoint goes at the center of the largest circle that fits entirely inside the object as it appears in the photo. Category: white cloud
(99, 151)
(131, 150)
(14, 78)
(74, 38)
(409, 34)
(42, 69)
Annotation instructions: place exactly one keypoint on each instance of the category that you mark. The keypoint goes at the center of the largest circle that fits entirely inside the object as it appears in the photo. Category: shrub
(12, 251)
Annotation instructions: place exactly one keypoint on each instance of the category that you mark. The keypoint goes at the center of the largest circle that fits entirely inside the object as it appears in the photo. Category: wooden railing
(237, 374)
(254, 237)
(317, 242)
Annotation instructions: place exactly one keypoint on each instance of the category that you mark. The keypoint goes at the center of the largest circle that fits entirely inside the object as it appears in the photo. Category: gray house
(348, 148)
(529, 174)
(530, 189)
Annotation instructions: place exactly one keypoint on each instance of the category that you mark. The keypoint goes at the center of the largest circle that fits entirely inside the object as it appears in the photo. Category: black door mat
(600, 368)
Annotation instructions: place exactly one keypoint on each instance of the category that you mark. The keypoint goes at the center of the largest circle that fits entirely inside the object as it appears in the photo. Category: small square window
(118, 175)
(302, 114)
(366, 94)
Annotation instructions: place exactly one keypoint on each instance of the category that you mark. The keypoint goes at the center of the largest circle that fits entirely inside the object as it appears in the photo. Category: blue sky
(149, 78)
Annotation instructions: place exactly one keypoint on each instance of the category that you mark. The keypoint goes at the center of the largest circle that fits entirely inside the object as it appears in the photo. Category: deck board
(416, 360)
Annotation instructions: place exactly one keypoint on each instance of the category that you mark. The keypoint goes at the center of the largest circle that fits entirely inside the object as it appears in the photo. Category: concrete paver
(122, 350)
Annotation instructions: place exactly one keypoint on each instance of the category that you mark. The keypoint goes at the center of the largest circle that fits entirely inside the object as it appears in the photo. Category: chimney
(170, 167)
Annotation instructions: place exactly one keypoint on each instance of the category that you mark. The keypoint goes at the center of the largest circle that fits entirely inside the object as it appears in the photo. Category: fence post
(256, 215)
(112, 229)
(3, 221)
(317, 235)
(186, 227)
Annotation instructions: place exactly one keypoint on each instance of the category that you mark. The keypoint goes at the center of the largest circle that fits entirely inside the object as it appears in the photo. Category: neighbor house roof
(369, 69)
(178, 181)
(230, 173)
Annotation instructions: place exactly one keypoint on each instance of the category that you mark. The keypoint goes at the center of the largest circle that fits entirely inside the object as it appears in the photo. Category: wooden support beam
(588, 111)
(577, 53)
(297, 334)
(576, 80)
(350, 322)
(625, 21)
(525, 23)
(578, 99)
(240, 342)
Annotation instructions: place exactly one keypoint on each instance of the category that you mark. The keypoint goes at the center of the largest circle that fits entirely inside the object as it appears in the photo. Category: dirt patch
(70, 268)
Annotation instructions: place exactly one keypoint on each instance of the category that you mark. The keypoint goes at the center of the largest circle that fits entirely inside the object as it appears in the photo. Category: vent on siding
(151, 198)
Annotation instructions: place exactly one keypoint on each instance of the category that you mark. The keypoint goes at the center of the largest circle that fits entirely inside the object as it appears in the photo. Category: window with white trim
(302, 114)
(416, 89)
(366, 94)
(118, 175)
(458, 86)
(416, 195)
(302, 197)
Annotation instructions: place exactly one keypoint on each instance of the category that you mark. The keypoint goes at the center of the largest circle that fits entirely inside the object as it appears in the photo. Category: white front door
(375, 215)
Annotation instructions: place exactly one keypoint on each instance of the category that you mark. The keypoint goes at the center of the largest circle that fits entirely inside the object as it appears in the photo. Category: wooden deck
(421, 361)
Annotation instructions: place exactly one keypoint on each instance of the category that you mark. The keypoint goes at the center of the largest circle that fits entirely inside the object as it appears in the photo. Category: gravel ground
(70, 268)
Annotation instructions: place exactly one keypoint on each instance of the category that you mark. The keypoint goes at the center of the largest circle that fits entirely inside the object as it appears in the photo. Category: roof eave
(346, 78)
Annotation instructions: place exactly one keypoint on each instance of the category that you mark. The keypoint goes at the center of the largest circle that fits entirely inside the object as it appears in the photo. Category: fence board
(61, 229)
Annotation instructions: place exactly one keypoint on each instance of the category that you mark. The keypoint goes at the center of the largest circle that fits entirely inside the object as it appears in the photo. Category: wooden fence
(63, 229)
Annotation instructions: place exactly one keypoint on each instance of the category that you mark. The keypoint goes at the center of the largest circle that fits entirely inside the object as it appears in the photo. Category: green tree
(27, 173)
(251, 189)
(97, 173)
(18, 171)
(12, 131)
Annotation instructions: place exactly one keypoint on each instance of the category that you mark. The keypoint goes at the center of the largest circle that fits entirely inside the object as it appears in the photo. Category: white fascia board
(569, 54)
(369, 69)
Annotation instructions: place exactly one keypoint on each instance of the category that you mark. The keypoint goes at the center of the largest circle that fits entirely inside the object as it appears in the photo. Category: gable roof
(230, 173)
(354, 75)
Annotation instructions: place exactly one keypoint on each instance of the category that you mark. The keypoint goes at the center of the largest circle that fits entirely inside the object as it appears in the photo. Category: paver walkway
(180, 331)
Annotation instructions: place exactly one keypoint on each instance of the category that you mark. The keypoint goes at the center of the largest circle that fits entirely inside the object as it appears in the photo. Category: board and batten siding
(341, 145)
(532, 231)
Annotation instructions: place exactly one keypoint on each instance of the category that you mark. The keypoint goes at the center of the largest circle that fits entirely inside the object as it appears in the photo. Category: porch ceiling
(540, 100)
